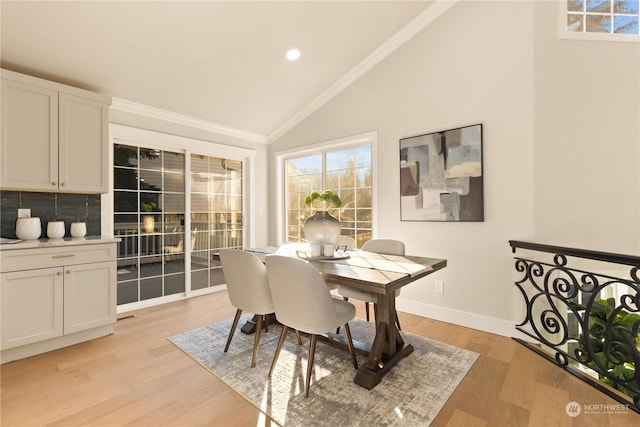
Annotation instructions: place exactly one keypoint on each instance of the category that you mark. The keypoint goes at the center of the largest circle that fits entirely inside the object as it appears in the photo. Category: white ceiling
(219, 62)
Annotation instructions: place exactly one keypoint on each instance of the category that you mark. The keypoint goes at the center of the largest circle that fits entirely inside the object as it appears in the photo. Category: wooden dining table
(380, 274)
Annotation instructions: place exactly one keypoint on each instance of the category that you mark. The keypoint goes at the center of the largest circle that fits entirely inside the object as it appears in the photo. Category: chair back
(346, 241)
(301, 298)
(247, 283)
(384, 246)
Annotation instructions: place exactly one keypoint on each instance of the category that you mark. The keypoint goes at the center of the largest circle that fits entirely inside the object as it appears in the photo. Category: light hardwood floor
(136, 377)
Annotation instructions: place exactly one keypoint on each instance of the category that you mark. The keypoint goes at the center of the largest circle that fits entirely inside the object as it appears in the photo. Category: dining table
(380, 274)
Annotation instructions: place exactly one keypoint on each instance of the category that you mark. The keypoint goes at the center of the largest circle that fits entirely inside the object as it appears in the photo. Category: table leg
(388, 346)
(249, 326)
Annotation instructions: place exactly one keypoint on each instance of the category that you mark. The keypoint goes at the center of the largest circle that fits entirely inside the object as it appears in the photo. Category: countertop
(52, 243)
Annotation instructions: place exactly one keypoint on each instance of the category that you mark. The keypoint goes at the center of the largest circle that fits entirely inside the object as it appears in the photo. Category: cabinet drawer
(25, 259)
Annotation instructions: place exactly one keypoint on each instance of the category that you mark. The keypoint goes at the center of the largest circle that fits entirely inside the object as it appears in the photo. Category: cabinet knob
(62, 184)
(54, 183)
(68, 271)
(58, 274)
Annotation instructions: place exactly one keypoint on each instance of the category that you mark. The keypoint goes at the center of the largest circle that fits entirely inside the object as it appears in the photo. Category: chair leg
(347, 332)
(283, 335)
(233, 329)
(256, 340)
(312, 352)
(366, 309)
(299, 337)
(338, 328)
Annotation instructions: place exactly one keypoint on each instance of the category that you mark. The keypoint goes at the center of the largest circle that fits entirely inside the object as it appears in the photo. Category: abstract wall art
(441, 176)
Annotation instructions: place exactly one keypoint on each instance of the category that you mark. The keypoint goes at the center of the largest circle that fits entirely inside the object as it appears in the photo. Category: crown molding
(416, 25)
(181, 119)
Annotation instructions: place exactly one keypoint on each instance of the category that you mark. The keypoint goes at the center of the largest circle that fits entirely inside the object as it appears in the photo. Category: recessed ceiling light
(293, 54)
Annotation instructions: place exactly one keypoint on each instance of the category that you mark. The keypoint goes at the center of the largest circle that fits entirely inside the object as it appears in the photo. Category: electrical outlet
(24, 213)
(439, 287)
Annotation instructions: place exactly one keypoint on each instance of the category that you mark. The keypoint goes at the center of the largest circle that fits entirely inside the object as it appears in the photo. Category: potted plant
(322, 228)
(149, 221)
(613, 336)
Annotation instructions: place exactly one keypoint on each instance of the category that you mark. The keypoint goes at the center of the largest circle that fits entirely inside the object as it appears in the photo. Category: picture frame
(441, 176)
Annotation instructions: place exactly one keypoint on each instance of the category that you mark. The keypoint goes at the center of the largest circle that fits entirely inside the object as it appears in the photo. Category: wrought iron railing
(583, 307)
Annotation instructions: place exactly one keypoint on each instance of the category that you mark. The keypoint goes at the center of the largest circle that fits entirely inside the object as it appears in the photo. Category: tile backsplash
(49, 207)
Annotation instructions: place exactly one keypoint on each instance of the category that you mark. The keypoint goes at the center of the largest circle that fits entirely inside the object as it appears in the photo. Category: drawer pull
(58, 274)
(63, 256)
(68, 271)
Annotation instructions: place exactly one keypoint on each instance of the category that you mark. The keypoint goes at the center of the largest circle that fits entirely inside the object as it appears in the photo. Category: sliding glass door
(168, 245)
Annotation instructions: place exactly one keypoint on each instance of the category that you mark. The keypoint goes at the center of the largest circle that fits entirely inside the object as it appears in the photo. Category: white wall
(587, 139)
(561, 146)
(473, 65)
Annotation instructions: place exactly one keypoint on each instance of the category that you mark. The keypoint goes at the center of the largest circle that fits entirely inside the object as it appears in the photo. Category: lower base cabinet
(46, 308)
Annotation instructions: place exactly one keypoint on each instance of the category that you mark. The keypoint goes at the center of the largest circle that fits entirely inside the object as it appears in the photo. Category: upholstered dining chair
(381, 246)
(345, 243)
(248, 289)
(302, 301)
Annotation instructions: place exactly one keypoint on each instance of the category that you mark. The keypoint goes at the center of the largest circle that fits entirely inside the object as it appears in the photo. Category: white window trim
(370, 138)
(564, 33)
(125, 134)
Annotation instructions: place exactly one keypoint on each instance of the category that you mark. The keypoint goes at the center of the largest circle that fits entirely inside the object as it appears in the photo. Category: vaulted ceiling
(218, 61)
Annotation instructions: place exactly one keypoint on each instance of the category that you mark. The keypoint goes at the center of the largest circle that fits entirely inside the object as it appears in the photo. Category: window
(614, 19)
(344, 168)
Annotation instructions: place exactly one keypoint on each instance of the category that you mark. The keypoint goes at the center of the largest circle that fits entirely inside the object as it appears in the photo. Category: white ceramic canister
(55, 229)
(28, 228)
(78, 229)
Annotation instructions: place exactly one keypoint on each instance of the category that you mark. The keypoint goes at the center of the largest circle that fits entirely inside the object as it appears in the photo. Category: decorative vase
(322, 228)
(55, 229)
(28, 228)
(149, 223)
(78, 229)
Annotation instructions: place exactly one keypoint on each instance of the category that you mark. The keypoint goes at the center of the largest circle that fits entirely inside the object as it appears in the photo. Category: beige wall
(560, 166)
(587, 140)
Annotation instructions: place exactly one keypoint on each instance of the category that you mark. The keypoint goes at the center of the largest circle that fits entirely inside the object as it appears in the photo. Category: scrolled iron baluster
(560, 260)
(588, 282)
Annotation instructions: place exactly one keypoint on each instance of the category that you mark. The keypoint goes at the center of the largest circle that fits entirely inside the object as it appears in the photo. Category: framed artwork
(441, 176)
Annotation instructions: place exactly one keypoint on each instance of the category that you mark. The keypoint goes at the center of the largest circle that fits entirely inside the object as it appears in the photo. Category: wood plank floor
(136, 377)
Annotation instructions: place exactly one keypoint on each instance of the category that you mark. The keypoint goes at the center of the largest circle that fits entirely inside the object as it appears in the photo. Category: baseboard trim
(461, 318)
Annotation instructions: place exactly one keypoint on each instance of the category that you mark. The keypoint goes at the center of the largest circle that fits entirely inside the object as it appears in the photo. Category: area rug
(411, 394)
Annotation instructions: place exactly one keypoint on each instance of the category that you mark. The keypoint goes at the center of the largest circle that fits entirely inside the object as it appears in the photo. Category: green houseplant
(328, 199)
(623, 329)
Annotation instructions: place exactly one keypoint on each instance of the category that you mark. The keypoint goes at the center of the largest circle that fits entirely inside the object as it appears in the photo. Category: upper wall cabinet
(54, 137)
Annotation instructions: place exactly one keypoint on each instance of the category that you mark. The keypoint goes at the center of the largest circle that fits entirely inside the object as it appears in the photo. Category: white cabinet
(54, 137)
(55, 296)
(31, 306)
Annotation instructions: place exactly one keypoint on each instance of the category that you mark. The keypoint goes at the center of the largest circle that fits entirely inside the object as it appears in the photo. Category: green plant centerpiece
(322, 229)
(328, 199)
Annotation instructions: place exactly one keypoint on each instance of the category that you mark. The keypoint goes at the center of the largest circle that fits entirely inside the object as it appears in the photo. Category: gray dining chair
(302, 301)
(248, 289)
(381, 246)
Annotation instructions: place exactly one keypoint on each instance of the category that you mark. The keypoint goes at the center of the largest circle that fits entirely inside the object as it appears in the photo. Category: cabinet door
(29, 137)
(32, 306)
(89, 296)
(83, 144)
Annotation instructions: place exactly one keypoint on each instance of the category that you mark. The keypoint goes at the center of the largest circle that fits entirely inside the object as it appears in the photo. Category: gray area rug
(412, 393)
